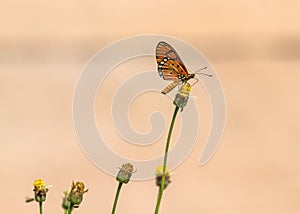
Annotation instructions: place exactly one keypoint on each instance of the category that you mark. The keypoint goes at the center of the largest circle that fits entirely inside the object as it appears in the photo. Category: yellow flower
(159, 171)
(39, 184)
(39, 190)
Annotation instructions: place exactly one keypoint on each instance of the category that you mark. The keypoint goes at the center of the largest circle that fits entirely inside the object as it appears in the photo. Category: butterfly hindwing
(171, 70)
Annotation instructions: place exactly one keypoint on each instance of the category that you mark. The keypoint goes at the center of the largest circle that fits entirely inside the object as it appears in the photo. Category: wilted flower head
(39, 190)
(125, 173)
(75, 195)
(159, 174)
(182, 96)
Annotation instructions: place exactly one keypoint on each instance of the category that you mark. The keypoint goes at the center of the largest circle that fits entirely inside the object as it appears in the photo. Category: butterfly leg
(195, 82)
(179, 85)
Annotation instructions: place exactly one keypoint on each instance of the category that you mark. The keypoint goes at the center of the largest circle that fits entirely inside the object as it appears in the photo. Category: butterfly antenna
(197, 72)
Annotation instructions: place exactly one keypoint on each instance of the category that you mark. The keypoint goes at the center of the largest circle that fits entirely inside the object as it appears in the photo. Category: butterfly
(171, 67)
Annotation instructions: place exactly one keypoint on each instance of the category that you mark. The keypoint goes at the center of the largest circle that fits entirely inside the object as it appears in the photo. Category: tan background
(254, 47)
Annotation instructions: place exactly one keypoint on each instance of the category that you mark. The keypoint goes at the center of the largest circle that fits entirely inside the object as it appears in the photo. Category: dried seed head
(125, 173)
(75, 195)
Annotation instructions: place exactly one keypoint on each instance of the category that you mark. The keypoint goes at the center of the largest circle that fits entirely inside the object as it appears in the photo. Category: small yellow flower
(40, 190)
(39, 184)
(159, 171)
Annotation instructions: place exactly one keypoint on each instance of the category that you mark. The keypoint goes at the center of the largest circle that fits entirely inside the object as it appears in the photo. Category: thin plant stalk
(162, 186)
(117, 197)
(41, 207)
(70, 209)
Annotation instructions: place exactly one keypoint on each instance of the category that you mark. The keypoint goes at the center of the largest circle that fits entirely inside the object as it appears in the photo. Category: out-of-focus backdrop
(253, 45)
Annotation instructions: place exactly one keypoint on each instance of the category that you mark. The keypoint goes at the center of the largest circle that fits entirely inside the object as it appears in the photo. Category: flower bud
(182, 96)
(159, 174)
(66, 203)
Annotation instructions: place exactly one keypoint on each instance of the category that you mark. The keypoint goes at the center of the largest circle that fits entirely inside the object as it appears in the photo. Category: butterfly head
(192, 76)
(187, 77)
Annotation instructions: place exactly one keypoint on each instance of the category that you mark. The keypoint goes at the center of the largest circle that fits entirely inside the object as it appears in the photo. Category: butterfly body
(170, 66)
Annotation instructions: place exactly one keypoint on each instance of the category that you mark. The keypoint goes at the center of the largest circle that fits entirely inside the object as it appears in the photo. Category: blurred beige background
(254, 47)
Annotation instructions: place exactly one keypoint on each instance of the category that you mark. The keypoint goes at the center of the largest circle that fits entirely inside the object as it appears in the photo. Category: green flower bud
(66, 203)
(182, 96)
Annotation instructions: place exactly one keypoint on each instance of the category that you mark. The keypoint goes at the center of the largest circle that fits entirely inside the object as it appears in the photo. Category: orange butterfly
(171, 67)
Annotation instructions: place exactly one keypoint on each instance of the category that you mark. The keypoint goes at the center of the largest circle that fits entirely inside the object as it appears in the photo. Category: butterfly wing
(170, 66)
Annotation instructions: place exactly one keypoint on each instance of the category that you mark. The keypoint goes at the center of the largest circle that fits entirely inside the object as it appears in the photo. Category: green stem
(162, 186)
(41, 207)
(117, 197)
(70, 209)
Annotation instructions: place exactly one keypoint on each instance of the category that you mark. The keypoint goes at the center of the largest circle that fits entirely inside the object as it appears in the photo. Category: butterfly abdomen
(170, 87)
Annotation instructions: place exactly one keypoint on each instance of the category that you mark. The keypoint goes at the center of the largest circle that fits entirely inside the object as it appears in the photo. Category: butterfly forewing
(170, 66)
